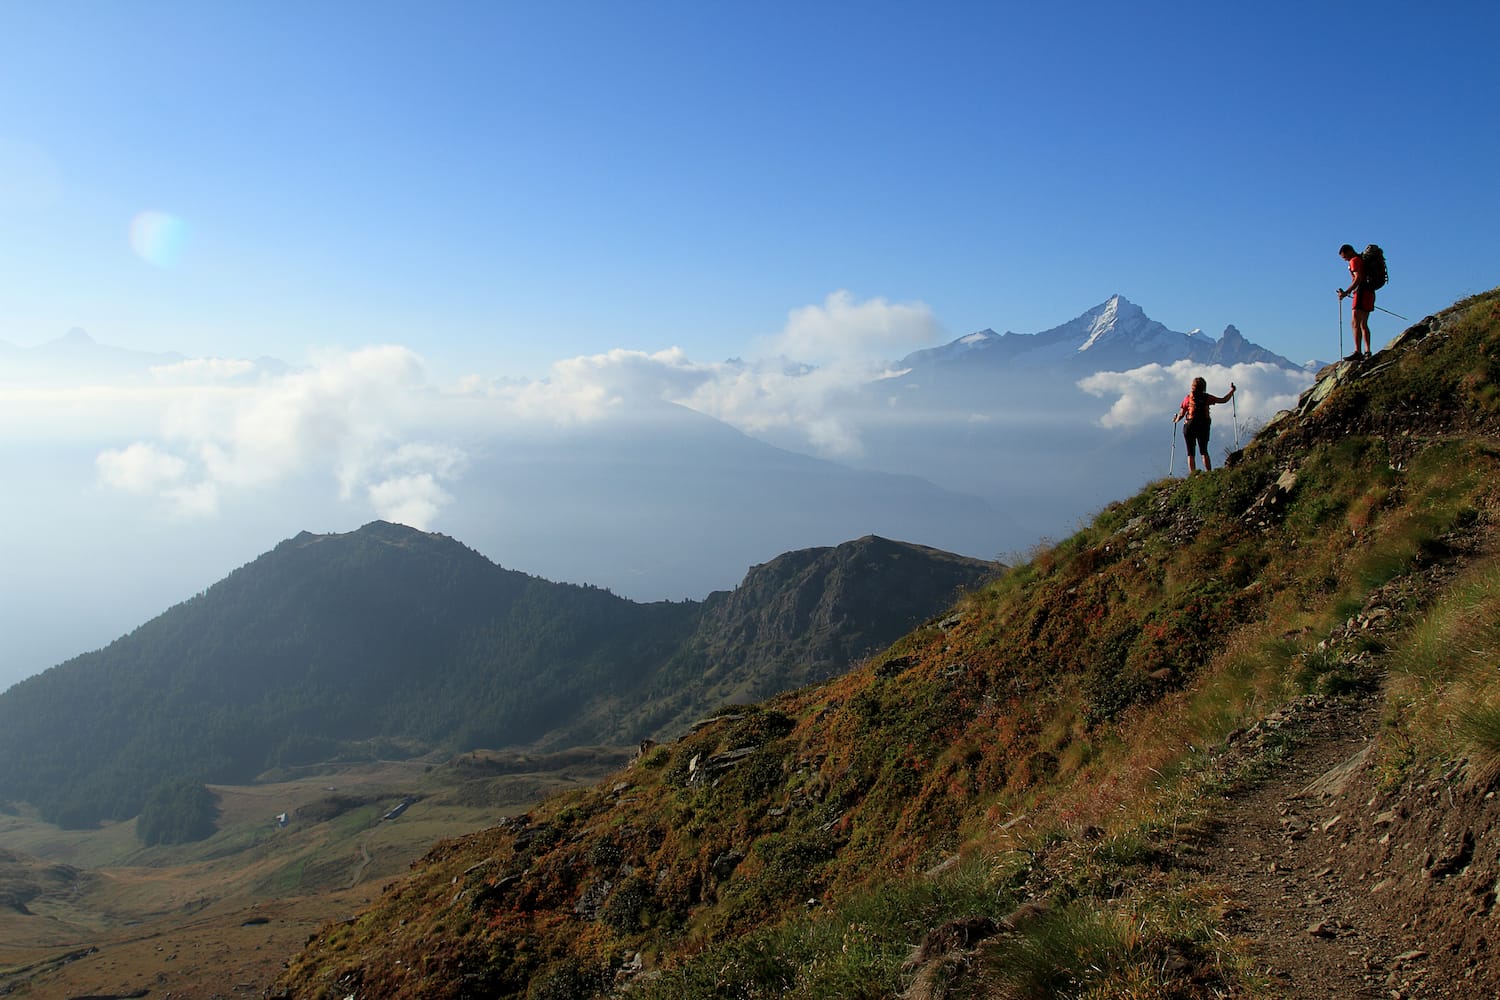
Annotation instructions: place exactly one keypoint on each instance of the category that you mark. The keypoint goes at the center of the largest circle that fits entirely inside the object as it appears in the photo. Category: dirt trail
(1342, 890)
(1347, 881)
(1274, 851)
(364, 862)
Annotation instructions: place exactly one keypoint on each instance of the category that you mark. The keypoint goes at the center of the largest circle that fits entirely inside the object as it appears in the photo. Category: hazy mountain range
(390, 641)
(168, 470)
(1050, 426)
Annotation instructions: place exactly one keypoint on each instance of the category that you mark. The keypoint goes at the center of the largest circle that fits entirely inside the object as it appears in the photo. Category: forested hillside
(393, 642)
(1019, 798)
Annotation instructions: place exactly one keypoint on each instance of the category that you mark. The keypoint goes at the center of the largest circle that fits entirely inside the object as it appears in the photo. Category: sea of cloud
(385, 436)
(1138, 395)
(373, 434)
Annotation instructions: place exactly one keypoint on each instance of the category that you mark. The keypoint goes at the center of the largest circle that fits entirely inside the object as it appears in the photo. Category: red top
(1188, 409)
(1191, 413)
(1363, 299)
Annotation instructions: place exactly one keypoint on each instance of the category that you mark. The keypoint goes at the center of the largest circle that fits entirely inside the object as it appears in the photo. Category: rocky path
(1321, 919)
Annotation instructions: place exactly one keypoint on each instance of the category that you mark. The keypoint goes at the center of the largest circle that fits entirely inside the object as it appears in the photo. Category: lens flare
(158, 238)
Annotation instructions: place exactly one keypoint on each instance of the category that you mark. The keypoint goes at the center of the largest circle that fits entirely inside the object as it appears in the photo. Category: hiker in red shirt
(1364, 301)
(1194, 410)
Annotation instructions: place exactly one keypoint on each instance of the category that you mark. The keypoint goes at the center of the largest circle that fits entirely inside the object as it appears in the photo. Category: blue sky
(468, 227)
(502, 185)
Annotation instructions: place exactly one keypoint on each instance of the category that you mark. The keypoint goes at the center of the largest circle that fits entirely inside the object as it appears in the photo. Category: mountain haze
(650, 475)
(1008, 417)
(650, 500)
(394, 642)
(663, 500)
(76, 354)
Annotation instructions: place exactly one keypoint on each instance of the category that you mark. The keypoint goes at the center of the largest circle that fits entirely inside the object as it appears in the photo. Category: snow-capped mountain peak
(1114, 335)
(1117, 314)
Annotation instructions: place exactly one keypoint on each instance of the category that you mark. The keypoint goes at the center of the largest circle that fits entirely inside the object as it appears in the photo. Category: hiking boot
(1353, 357)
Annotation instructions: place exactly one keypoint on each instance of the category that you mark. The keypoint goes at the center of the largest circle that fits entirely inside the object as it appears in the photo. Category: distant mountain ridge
(1117, 333)
(1005, 417)
(392, 641)
(82, 354)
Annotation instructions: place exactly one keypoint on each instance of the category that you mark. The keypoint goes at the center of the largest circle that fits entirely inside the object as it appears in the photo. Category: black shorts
(1196, 431)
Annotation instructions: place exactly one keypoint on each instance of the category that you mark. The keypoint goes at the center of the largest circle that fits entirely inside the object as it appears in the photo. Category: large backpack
(1374, 274)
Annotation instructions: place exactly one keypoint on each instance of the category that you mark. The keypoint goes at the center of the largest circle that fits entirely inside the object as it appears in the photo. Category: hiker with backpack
(1194, 410)
(1366, 273)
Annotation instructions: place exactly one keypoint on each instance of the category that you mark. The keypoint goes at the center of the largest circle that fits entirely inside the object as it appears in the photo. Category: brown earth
(222, 926)
(1346, 883)
(1342, 888)
(224, 951)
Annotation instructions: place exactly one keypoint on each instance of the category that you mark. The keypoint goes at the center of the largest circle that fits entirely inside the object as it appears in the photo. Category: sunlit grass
(1478, 726)
(1446, 676)
(1161, 944)
(854, 949)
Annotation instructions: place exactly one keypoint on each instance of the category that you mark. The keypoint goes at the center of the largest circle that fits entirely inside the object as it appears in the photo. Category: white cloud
(843, 329)
(623, 373)
(767, 396)
(369, 421)
(361, 418)
(143, 469)
(1154, 392)
(444, 460)
(846, 337)
(195, 370)
(195, 500)
(371, 424)
(140, 468)
(411, 500)
(590, 386)
(835, 437)
(754, 397)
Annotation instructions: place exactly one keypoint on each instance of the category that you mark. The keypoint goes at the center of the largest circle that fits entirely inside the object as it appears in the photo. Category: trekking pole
(1341, 326)
(1172, 464)
(1386, 311)
(1236, 404)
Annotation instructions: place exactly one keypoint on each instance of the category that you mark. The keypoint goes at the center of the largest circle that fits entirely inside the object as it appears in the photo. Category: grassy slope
(1054, 741)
